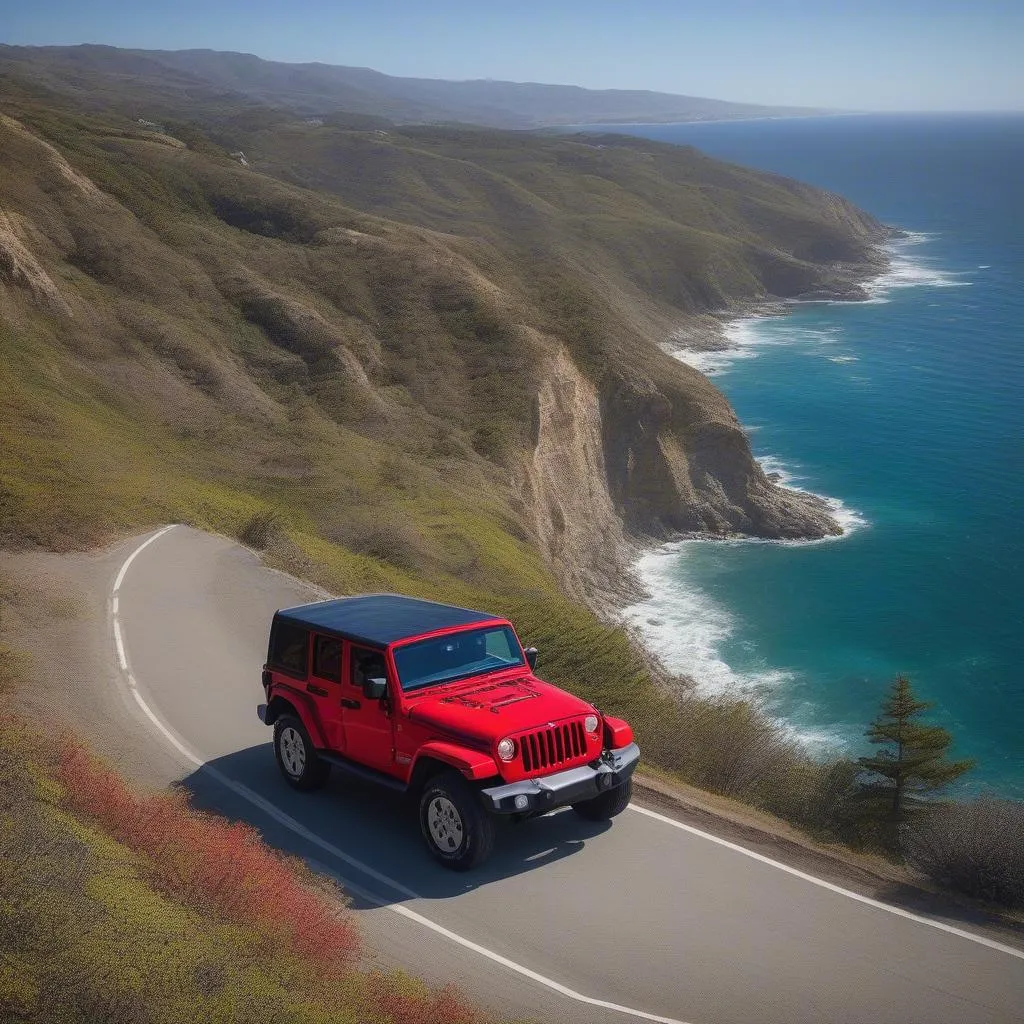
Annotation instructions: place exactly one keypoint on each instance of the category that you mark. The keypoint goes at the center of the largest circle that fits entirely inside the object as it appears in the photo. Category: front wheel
(607, 804)
(456, 828)
(296, 755)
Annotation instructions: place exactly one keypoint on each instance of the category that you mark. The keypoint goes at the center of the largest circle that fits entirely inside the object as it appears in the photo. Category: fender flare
(617, 733)
(303, 706)
(473, 764)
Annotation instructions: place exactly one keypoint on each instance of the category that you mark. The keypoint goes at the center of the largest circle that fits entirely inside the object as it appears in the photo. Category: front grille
(553, 746)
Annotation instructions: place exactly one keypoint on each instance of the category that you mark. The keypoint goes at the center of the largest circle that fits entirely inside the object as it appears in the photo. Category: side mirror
(531, 658)
(375, 689)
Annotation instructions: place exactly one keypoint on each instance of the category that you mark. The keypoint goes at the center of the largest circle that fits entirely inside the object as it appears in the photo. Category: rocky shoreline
(773, 510)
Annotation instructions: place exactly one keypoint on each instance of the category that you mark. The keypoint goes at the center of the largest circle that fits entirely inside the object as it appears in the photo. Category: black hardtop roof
(381, 619)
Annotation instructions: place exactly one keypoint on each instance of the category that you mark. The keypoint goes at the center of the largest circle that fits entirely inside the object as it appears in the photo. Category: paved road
(641, 914)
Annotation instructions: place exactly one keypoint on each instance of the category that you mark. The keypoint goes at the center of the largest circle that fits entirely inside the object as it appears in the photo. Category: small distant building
(315, 122)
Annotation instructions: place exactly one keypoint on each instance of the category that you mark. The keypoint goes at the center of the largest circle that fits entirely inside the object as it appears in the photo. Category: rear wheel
(296, 755)
(456, 828)
(607, 804)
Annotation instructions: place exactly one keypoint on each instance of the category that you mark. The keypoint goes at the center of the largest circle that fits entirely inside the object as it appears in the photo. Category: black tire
(607, 804)
(457, 829)
(296, 756)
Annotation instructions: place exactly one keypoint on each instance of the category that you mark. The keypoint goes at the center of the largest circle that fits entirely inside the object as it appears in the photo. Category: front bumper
(569, 787)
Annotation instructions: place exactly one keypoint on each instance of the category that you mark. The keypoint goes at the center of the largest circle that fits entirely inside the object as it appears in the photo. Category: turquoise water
(910, 411)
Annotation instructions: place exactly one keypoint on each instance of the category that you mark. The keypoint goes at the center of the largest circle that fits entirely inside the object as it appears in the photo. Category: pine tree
(916, 759)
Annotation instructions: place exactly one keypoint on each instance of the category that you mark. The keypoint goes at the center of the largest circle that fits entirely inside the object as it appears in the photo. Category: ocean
(908, 413)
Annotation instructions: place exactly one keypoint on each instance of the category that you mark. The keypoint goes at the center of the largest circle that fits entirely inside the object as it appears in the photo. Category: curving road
(647, 919)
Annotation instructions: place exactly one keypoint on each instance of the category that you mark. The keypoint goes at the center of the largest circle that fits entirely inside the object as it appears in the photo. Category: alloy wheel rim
(445, 824)
(293, 751)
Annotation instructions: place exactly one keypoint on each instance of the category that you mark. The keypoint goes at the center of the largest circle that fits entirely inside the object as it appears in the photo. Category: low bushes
(214, 865)
(261, 528)
(410, 1003)
(975, 847)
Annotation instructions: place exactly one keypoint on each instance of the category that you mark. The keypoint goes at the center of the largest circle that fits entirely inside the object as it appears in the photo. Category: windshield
(442, 659)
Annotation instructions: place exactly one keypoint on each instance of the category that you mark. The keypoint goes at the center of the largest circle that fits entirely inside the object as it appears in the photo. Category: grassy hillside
(322, 88)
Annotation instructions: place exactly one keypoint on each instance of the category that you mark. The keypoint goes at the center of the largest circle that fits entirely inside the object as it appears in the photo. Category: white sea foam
(842, 359)
(833, 741)
(746, 337)
(742, 339)
(911, 269)
(786, 476)
(687, 629)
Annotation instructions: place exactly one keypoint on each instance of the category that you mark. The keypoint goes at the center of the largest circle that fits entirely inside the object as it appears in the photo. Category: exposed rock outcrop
(564, 482)
(20, 269)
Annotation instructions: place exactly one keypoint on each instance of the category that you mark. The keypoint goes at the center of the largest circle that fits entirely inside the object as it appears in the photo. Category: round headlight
(507, 749)
(590, 723)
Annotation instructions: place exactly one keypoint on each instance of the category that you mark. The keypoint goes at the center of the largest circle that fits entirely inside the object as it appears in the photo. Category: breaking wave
(910, 269)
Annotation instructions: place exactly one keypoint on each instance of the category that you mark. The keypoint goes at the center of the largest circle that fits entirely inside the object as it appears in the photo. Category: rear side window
(327, 658)
(289, 648)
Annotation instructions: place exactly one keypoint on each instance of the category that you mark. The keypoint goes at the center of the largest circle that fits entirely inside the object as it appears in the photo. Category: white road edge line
(878, 904)
(299, 829)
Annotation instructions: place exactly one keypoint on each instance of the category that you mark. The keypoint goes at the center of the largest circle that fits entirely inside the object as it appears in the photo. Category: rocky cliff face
(644, 460)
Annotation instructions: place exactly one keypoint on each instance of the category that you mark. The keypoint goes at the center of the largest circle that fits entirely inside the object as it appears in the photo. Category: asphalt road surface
(639, 919)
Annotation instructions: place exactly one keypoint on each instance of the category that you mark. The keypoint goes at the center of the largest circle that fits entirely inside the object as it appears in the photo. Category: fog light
(604, 780)
(522, 802)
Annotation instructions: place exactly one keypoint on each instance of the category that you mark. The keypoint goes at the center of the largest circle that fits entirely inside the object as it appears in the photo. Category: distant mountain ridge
(314, 89)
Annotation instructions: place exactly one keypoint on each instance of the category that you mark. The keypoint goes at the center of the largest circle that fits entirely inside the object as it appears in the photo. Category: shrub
(976, 847)
(410, 1004)
(260, 529)
(727, 745)
(215, 865)
(381, 533)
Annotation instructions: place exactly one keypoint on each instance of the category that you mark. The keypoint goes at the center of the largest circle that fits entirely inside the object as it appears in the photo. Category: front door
(324, 686)
(369, 738)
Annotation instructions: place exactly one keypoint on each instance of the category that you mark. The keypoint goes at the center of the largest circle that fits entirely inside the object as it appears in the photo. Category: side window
(499, 645)
(327, 658)
(366, 664)
(289, 648)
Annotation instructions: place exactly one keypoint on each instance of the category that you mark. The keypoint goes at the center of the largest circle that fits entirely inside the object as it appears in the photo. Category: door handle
(348, 702)
(318, 690)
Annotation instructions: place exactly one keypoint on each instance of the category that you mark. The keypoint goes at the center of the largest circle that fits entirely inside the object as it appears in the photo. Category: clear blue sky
(866, 54)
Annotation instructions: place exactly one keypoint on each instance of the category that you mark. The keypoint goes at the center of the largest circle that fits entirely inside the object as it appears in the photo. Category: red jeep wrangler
(440, 703)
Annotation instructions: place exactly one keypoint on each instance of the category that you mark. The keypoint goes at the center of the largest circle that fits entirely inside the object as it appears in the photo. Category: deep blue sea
(909, 410)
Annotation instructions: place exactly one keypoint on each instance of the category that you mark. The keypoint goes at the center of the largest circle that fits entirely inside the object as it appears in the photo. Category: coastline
(658, 612)
(683, 628)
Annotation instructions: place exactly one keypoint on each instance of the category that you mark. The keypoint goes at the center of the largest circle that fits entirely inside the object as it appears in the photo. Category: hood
(488, 710)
